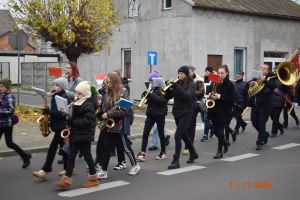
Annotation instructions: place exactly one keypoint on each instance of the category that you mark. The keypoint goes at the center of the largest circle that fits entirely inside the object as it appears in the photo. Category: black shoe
(285, 125)
(259, 147)
(225, 149)
(281, 131)
(233, 136)
(204, 139)
(61, 161)
(267, 137)
(192, 158)
(297, 122)
(167, 139)
(273, 135)
(244, 127)
(175, 163)
(152, 148)
(218, 155)
(26, 161)
(236, 132)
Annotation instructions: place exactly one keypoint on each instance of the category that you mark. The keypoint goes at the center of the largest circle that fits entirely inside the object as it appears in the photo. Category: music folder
(62, 104)
(124, 103)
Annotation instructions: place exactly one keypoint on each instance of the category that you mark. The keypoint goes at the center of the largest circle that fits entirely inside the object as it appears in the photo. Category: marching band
(214, 95)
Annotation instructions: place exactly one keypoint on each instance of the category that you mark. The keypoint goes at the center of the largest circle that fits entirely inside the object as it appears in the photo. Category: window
(214, 61)
(273, 58)
(133, 8)
(239, 60)
(167, 4)
(126, 63)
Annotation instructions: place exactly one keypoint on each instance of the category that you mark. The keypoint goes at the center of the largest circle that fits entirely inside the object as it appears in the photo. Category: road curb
(9, 153)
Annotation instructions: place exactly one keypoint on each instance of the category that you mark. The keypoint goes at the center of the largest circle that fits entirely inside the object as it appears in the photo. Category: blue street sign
(152, 58)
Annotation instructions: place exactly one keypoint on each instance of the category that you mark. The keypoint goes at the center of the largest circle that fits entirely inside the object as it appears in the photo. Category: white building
(242, 34)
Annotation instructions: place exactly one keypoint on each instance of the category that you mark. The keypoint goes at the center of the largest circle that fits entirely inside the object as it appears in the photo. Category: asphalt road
(268, 174)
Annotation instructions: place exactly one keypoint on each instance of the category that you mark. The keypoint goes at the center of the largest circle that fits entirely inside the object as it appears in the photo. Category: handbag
(15, 119)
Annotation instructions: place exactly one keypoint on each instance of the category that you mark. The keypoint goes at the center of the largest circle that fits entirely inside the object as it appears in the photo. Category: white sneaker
(161, 156)
(121, 165)
(102, 174)
(134, 170)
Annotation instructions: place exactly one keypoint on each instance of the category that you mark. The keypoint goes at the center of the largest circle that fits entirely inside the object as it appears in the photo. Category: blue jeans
(259, 118)
(206, 121)
(155, 138)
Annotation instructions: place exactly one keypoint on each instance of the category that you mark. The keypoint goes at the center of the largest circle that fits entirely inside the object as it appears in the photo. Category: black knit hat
(185, 70)
(6, 83)
(240, 73)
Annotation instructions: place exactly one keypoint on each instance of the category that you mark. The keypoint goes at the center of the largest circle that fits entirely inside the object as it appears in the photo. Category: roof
(272, 8)
(7, 23)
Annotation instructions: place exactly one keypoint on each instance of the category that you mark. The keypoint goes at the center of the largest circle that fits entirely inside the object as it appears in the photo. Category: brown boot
(64, 182)
(92, 182)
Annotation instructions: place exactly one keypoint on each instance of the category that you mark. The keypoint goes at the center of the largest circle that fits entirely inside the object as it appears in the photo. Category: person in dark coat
(7, 109)
(82, 123)
(261, 104)
(220, 114)
(156, 112)
(240, 102)
(184, 101)
(57, 124)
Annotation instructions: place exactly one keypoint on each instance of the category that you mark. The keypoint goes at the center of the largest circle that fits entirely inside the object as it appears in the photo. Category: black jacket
(157, 104)
(83, 122)
(222, 111)
(278, 99)
(297, 92)
(57, 118)
(264, 98)
(184, 98)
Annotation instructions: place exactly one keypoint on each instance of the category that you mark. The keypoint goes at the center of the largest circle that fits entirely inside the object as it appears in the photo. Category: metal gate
(4, 70)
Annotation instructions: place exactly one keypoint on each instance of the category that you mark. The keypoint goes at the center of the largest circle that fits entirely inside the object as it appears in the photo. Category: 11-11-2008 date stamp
(234, 184)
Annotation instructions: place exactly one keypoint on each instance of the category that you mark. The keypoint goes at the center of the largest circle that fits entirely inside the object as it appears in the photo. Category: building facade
(201, 33)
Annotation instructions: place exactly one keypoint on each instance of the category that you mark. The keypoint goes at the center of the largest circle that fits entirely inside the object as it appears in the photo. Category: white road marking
(286, 146)
(82, 191)
(180, 170)
(240, 157)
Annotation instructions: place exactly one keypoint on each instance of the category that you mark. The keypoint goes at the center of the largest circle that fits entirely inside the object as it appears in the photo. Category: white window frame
(244, 49)
(274, 60)
(133, 8)
(165, 4)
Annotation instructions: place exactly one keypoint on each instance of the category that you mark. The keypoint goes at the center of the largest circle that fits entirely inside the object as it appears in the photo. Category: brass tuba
(286, 73)
(43, 121)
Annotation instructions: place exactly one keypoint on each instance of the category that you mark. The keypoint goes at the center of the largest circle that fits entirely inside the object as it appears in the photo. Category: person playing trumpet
(156, 112)
(58, 123)
(184, 93)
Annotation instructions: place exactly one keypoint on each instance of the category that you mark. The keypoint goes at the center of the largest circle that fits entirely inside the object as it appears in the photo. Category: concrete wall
(184, 36)
(13, 63)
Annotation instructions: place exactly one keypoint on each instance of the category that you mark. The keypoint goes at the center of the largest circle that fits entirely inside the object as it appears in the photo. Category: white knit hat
(84, 88)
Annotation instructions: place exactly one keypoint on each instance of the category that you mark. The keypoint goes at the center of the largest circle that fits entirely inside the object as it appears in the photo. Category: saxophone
(43, 121)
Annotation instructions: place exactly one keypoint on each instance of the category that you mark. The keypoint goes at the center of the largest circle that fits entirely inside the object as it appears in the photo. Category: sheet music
(159, 82)
(257, 74)
(40, 92)
(62, 104)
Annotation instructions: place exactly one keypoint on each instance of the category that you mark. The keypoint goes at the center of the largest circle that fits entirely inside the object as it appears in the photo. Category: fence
(4, 70)
(36, 74)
